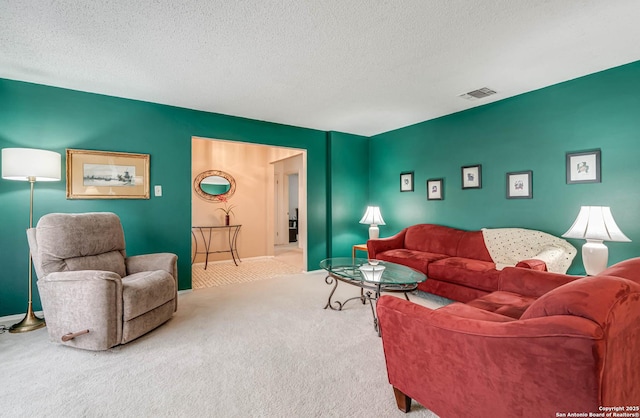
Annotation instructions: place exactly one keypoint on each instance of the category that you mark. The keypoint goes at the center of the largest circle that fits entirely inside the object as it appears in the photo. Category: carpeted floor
(260, 349)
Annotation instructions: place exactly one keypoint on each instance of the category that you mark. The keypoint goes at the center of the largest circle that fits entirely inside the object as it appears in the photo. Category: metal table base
(206, 239)
(369, 291)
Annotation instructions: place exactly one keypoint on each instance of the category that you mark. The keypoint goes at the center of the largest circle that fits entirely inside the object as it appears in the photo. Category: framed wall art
(434, 189)
(472, 177)
(583, 167)
(406, 181)
(107, 175)
(519, 185)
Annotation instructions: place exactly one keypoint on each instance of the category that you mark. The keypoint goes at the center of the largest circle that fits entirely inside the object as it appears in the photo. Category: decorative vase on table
(227, 209)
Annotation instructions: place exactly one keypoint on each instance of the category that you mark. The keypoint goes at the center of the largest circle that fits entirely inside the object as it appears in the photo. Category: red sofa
(544, 343)
(456, 262)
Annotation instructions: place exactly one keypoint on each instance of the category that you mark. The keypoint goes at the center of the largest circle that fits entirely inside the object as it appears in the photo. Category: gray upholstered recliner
(86, 282)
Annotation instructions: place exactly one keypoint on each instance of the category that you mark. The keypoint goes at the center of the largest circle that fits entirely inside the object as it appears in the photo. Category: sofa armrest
(529, 282)
(532, 264)
(453, 365)
(74, 301)
(377, 246)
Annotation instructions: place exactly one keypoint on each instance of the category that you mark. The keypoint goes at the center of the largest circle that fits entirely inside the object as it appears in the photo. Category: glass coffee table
(373, 277)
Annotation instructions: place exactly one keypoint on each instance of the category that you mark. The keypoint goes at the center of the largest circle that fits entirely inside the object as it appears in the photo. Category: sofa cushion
(418, 260)
(142, 292)
(451, 291)
(471, 312)
(436, 239)
(503, 303)
(465, 271)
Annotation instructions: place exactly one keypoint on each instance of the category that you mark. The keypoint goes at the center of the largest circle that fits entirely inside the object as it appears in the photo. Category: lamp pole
(31, 321)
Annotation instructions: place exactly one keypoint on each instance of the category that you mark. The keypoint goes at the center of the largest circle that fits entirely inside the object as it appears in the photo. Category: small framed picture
(519, 185)
(434, 189)
(406, 181)
(583, 167)
(472, 177)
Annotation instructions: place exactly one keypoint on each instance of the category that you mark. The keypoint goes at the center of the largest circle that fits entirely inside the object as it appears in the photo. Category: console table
(206, 233)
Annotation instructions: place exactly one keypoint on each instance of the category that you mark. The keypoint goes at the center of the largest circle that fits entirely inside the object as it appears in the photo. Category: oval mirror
(214, 185)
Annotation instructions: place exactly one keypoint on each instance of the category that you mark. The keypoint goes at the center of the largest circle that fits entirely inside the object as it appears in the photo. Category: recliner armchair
(93, 296)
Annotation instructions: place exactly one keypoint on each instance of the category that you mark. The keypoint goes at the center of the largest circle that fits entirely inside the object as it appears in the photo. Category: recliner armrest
(83, 300)
(150, 262)
(377, 246)
(80, 276)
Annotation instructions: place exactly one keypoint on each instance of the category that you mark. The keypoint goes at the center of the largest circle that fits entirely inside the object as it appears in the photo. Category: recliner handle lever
(72, 335)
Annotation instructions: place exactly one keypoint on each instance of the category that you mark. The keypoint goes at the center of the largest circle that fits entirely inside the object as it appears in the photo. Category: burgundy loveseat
(543, 343)
(457, 263)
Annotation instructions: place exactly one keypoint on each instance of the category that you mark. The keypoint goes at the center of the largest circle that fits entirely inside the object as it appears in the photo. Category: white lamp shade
(372, 216)
(596, 223)
(24, 163)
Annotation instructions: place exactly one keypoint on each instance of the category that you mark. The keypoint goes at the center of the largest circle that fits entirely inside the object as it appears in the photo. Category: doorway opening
(287, 203)
(269, 204)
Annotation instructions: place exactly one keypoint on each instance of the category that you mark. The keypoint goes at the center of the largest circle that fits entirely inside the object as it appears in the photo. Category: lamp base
(30, 322)
(374, 232)
(594, 257)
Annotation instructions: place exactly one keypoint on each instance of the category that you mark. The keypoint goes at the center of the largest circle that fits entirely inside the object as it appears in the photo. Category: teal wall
(532, 131)
(349, 155)
(36, 116)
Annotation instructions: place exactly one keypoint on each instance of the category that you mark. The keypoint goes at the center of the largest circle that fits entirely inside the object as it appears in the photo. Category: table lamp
(373, 218)
(27, 164)
(595, 224)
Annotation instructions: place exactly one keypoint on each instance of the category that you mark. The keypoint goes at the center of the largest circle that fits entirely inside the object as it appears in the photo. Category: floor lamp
(27, 164)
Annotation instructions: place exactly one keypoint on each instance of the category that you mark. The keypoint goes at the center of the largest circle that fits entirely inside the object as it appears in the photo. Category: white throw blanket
(508, 246)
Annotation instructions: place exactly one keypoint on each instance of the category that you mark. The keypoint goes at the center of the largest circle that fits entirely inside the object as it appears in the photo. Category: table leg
(330, 280)
(339, 305)
(232, 244)
(195, 252)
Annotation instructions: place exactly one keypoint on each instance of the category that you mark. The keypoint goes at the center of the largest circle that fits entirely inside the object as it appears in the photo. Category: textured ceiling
(357, 66)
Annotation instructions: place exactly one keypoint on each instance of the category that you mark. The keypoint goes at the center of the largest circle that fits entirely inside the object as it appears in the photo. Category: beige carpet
(260, 349)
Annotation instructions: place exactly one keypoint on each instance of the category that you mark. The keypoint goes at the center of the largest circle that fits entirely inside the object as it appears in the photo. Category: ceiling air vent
(478, 94)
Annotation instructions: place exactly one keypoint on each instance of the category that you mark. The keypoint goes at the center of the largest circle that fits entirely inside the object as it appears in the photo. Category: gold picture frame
(107, 175)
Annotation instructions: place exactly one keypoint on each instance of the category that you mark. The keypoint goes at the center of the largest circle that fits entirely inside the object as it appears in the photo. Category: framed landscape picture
(406, 181)
(107, 175)
(519, 185)
(434, 189)
(583, 167)
(472, 177)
